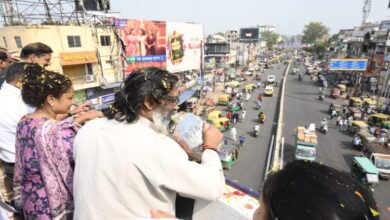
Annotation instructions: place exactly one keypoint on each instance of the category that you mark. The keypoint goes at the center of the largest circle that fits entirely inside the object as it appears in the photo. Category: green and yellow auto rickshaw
(378, 119)
(223, 99)
(234, 106)
(228, 156)
(358, 126)
(214, 114)
(355, 102)
(222, 124)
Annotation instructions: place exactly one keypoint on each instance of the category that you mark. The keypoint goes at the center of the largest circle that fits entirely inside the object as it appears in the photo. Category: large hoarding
(145, 43)
(249, 34)
(348, 64)
(184, 44)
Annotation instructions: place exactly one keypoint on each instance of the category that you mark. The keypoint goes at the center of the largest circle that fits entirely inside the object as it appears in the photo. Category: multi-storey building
(88, 55)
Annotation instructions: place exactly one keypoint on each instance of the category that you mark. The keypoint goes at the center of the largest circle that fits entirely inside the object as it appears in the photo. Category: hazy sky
(290, 16)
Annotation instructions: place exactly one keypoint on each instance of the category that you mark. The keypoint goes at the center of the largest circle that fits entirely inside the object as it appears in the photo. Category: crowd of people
(58, 161)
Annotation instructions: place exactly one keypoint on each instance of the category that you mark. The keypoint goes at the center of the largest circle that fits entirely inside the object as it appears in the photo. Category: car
(269, 91)
(270, 78)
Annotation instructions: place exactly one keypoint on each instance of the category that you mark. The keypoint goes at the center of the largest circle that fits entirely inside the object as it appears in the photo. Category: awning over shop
(184, 96)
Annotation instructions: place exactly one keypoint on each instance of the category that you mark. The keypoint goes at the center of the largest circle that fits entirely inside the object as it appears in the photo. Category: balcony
(84, 82)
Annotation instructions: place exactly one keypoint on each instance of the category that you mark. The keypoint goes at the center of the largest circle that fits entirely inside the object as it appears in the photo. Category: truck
(380, 157)
(306, 143)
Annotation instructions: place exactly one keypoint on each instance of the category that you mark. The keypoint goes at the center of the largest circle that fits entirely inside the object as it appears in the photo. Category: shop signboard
(348, 64)
(145, 43)
(184, 45)
(77, 58)
(107, 99)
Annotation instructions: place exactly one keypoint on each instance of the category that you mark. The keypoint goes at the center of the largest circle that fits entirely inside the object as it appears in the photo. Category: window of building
(5, 42)
(74, 41)
(105, 40)
(18, 42)
(89, 69)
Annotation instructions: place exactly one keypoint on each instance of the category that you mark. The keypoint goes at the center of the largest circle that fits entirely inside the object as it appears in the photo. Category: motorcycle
(321, 97)
(324, 128)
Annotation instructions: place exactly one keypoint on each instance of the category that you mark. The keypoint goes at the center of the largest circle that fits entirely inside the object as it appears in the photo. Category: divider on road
(278, 139)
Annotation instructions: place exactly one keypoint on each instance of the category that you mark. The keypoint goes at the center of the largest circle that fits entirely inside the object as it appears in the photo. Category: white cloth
(12, 110)
(123, 170)
(233, 133)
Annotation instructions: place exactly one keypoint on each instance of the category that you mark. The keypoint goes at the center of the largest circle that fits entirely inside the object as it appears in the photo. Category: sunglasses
(173, 99)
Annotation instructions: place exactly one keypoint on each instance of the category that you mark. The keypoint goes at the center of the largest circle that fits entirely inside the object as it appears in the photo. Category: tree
(313, 32)
(270, 37)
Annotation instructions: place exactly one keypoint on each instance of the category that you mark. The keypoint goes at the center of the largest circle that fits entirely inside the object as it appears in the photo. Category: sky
(289, 16)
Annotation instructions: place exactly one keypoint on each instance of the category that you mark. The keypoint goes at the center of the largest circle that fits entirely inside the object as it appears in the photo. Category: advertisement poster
(145, 43)
(184, 44)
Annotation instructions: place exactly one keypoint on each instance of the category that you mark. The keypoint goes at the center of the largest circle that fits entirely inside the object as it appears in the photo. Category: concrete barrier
(278, 136)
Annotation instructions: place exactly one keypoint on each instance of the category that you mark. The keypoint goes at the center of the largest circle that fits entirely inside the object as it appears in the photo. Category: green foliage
(270, 37)
(313, 32)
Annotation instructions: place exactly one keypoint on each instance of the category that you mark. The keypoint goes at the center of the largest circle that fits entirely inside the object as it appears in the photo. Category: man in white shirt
(126, 164)
(12, 110)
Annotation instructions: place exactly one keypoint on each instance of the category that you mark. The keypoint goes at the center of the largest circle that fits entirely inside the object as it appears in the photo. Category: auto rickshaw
(336, 107)
(370, 102)
(250, 86)
(356, 113)
(228, 156)
(214, 114)
(358, 126)
(364, 171)
(355, 102)
(222, 124)
(223, 99)
(378, 119)
(234, 106)
(335, 93)
(366, 137)
(233, 83)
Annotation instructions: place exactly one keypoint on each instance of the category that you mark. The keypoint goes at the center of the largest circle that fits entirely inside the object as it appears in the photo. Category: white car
(270, 78)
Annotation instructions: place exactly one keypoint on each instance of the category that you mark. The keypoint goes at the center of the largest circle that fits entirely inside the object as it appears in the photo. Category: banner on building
(184, 44)
(348, 64)
(145, 43)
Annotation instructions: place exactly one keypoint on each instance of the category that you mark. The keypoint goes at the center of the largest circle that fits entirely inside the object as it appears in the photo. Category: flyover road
(302, 107)
(250, 166)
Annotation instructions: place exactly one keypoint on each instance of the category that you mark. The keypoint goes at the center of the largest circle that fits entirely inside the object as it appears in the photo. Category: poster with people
(184, 45)
(144, 41)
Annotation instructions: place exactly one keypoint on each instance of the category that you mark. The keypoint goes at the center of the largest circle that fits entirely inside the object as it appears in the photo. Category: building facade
(88, 55)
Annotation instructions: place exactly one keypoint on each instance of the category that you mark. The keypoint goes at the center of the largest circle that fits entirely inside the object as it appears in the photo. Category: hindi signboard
(348, 64)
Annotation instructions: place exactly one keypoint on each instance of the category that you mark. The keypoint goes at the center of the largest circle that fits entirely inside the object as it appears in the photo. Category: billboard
(249, 34)
(348, 64)
(184, 45)
(145, 43)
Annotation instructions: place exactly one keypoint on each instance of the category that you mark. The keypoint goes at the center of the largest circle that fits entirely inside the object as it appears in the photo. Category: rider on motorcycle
(258, 104)
(256, 129)
(261, 117)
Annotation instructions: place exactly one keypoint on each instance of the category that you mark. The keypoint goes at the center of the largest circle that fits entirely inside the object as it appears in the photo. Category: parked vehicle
(380, 120)
(355, 102)
(306, 143)
(358, 126)
(380, 157)
(356, 112)
(364, 171)
(223, 99)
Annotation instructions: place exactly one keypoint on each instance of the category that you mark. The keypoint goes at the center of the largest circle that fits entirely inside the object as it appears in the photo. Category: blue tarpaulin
(184, 96)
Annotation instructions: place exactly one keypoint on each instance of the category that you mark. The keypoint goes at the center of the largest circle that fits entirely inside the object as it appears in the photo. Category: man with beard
(126, 164)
